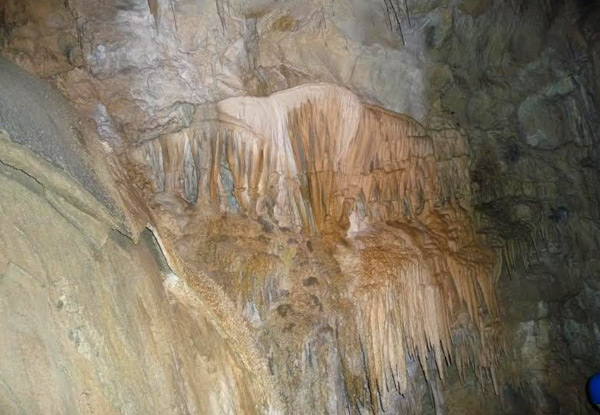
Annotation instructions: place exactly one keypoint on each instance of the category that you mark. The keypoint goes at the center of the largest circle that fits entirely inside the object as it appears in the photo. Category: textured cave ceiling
(299, 206)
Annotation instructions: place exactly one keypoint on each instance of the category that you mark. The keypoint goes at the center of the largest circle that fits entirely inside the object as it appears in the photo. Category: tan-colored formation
(93, 323)
(393, 196)
(310, 157)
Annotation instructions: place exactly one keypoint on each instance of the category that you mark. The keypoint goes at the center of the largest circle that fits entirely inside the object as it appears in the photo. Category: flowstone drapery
(389, 198)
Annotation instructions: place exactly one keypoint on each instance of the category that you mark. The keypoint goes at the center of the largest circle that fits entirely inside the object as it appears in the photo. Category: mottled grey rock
(541, 123)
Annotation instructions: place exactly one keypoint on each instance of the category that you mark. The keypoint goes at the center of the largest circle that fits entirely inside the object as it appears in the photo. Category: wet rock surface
(247, 194)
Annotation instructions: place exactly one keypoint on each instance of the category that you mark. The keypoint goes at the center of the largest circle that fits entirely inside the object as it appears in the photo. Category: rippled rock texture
(388, 202)
(360, 208)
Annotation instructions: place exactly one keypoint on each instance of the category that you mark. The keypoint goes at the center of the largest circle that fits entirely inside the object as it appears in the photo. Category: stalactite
(315, 160)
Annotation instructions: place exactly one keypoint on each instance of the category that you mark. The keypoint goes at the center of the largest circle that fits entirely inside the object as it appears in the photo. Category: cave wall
(319, 214)
(94, 319)
(529, 100)
(517, 79)
(92, 324)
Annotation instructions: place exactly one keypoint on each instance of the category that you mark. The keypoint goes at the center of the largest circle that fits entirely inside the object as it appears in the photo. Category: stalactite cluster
(318, 162)
(310, 158)
(181, 232)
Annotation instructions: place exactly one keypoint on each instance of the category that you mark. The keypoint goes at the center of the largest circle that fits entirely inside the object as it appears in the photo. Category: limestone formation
(315, 161)
(298, 207)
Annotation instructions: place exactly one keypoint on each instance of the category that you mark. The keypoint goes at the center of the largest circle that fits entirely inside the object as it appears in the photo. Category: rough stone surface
(95, 324)
(38, 118)
(518, 78)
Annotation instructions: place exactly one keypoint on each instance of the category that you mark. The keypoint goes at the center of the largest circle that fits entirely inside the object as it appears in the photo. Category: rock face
(382, 208)
(93, 322)
(383, 195)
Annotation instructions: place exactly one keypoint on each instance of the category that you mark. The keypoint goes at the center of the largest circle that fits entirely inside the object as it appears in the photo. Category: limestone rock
(541, 122)
(332, 183)
(94, 324)
(383, 192)
(475, 7)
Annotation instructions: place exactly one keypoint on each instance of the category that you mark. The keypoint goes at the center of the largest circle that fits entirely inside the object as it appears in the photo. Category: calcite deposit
(389, 199)
(298, 207)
